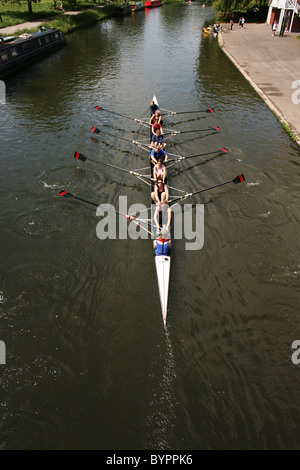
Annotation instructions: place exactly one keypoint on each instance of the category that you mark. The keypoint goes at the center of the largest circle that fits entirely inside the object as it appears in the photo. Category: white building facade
(285, 12)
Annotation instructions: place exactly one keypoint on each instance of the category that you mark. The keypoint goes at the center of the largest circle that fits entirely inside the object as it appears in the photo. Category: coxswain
(160, 195)
(162, 245)
(160, 172)
(158, 154)
(157, 140)
(153, 108)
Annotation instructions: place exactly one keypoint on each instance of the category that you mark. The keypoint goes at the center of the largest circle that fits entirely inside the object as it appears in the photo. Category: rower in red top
(156, 122)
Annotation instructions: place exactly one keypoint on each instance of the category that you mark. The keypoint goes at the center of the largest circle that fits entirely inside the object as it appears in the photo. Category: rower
(163, 214)
(158, 154)
(160, 195)
(157, 140)
(156, 122)
(160, 172)
(162, 245)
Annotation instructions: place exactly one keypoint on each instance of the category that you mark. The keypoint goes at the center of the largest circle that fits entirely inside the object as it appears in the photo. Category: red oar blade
(224, 150)
(79, 156)
(217, 128)
(95, 130)
(239, 179)
(65, 194)
(98, 108)
(210, 110)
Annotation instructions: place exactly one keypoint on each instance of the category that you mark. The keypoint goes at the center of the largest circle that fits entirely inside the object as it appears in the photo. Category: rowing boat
(162, 264)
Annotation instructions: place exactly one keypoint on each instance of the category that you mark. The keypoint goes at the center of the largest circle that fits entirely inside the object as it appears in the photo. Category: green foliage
(16, 11)
(239, 5)
(67, 24)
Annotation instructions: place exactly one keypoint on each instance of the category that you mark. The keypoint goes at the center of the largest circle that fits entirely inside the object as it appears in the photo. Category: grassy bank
(70, 23)
(16, 13)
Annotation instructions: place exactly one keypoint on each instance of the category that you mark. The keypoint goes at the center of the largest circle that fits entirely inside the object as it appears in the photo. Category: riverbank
(67, 22)
(271, 64)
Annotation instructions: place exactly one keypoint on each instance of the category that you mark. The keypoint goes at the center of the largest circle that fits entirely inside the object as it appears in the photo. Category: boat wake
(161, 419)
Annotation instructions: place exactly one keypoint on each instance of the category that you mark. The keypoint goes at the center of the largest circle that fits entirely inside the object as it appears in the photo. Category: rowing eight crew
(160, 195)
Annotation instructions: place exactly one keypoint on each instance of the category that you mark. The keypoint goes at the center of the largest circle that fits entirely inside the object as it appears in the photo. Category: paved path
(270, 64)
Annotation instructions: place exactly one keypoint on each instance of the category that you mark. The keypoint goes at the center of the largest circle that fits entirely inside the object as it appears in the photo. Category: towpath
(272, 66)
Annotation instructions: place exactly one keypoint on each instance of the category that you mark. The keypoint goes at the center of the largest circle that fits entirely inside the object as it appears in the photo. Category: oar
(66, 194)
(208, 110)
(238, 179)
(83, 158)
(100, 108)
(178, 159)
(196, 130)
(95, 130)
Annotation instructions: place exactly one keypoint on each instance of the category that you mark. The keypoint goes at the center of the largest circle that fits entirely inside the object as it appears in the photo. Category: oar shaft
(129, 217)
(80, 156)
(84, 200)
(211, 187)
(115, 136)
(201, 191)
(193, 156)
(197, 130)
(97, 131)
(99, 108)
(210, 110)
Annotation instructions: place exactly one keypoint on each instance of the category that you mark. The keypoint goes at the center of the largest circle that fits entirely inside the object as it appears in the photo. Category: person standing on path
(231, 24)
(274, 28)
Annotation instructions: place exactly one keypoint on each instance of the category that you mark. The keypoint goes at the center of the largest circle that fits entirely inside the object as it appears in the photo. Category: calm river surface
(89, 364)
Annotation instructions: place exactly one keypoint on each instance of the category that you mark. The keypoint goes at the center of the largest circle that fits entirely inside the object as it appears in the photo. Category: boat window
(14, 52)
(4, 56)
(40, 41)
(25, 47)
(56, 36)
(47, 39)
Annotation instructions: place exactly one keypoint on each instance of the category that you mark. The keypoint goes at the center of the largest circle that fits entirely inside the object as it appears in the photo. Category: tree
(239, 5)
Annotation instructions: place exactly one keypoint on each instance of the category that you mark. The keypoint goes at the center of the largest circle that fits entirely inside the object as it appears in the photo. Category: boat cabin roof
(11, 40)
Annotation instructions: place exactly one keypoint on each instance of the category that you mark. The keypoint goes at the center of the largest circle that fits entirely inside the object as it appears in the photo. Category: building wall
(276, 12)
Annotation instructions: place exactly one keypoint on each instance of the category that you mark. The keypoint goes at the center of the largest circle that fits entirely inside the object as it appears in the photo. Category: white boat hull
(163, 268)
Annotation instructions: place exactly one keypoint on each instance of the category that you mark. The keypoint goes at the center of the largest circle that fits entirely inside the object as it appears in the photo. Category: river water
(89, 364)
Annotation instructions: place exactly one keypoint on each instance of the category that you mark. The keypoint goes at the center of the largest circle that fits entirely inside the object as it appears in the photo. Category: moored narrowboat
(123, 10)
(153, 3)
(18, 52)
(138, 6)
